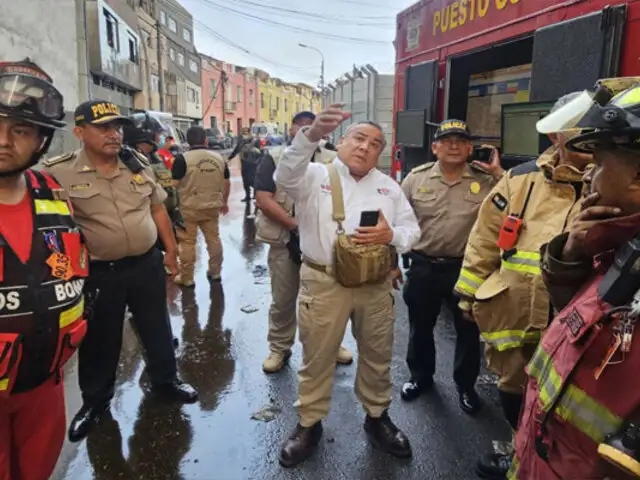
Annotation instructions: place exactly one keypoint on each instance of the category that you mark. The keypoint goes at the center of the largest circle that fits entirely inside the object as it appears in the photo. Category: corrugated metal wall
(367, 98)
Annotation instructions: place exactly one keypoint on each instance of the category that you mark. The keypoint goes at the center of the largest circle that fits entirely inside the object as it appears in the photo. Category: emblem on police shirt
(139, 179)
(474, 188)
(79, 186)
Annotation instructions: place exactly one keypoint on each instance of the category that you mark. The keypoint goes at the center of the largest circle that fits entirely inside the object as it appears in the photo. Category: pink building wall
(241, 97)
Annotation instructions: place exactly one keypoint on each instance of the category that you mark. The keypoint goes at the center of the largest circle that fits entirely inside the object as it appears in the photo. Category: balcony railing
(229, 106)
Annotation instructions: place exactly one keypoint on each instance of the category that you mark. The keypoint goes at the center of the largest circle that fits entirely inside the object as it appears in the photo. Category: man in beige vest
(202, 179)
(277, 227)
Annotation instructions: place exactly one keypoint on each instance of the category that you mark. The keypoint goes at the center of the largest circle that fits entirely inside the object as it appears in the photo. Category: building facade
(56, 45)
(113, 46)
(182, 79)
(151, 59)
(280, 101)
(230, 95)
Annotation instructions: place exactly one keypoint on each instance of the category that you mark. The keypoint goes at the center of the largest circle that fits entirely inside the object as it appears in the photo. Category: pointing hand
(327, 121)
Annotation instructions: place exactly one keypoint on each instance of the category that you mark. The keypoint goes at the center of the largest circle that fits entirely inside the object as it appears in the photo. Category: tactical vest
(165, 180)
(268, 231)
(203, 184)
(41, 302)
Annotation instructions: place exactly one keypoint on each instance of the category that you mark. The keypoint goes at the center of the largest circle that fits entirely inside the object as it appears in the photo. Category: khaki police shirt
(114, 212)
(446, 211)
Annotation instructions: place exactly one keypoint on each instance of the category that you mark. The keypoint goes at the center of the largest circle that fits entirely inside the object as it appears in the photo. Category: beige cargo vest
(268, 231)
(203, 184)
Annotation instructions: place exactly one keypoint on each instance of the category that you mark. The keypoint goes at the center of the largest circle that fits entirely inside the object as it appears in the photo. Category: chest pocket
(86, 201)
(473, 198)
(141, 192)
(425, 204)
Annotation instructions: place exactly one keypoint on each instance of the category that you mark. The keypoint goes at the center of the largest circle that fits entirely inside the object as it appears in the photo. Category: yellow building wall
(275, 93)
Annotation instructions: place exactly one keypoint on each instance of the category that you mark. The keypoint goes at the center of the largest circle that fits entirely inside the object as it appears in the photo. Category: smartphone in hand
(369, 218)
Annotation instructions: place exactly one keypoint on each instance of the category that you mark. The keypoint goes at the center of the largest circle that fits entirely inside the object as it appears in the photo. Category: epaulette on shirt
(423, 167)
(50, 162)
(475, 168)
(524, 168)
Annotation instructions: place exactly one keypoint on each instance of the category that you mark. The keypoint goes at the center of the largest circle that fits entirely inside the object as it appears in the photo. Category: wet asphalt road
(221, 352)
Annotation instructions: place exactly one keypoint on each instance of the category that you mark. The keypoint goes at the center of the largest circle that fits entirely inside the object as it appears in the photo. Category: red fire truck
(500, 65)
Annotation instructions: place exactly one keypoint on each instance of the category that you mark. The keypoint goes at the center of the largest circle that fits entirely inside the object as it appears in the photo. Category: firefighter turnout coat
(509, 300)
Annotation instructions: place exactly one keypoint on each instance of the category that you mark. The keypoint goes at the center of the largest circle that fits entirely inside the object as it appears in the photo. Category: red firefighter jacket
(41, 302)
(567, 411)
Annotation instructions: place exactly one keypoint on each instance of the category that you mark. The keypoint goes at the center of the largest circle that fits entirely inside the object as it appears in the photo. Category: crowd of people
(541, 261)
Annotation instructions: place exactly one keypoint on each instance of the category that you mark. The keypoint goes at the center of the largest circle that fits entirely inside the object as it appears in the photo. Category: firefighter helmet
(610, 115)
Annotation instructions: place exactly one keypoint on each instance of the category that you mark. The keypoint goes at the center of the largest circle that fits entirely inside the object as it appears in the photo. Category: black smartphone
(481, 154)
(369, 218)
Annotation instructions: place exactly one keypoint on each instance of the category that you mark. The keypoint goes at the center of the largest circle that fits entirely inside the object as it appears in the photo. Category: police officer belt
(317, 267)
(120, 264)
(421, 258)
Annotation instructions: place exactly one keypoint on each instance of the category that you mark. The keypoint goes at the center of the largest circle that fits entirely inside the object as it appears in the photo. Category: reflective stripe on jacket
(510, 302)
(567, 411)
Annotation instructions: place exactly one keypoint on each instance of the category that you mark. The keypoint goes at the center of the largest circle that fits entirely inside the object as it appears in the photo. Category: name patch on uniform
(79, 186)
(424, 190)
(474, 188)
(383, 191)
(499, 201)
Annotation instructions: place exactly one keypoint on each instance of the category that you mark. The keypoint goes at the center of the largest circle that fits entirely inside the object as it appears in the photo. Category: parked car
(217, 139)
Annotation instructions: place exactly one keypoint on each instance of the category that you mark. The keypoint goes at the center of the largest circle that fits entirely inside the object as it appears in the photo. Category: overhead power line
(325, 35)
(319, 16)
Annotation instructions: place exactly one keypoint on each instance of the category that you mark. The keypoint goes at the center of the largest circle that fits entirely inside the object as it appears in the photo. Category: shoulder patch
(50, 162)
(423, 167)
(500, 202)
(524, 168)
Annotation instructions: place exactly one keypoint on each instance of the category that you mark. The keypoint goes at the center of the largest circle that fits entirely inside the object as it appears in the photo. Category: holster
(294, 248)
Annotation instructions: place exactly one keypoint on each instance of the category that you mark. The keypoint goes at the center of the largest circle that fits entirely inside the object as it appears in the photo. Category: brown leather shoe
(300, 445)
(384, 435)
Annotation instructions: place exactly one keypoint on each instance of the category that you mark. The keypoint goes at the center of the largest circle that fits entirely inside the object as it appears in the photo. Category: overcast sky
(228, 29)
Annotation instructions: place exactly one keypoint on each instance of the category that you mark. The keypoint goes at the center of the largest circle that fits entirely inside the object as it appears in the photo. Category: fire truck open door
(420, 94)
(571, 55)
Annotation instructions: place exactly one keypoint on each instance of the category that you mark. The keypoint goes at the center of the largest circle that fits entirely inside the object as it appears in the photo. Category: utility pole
(223, 80)
(160, 69)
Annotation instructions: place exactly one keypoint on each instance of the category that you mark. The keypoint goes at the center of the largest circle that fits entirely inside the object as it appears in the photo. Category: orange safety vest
(41, 302)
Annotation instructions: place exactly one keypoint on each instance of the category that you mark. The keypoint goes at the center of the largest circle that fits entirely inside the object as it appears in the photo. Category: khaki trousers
(285, 282)
(324, 310)
(208, 222)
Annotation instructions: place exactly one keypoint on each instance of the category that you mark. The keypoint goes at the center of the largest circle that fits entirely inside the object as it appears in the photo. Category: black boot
(85, 420)
(384, 435)
(494, 466)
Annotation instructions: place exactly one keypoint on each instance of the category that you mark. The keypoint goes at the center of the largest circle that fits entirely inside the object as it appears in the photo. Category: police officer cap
(453, 127)
(98, 112)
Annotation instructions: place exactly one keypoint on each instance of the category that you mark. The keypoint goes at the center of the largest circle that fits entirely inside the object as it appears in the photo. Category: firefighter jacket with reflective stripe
(567, 411)
(510, 302)
(41, 302)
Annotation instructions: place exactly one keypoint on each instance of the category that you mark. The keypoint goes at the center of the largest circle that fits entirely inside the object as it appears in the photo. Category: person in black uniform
(120, 207)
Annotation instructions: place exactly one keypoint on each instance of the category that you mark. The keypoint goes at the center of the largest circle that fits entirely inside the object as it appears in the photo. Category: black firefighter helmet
(27, 94)
(608, 117)
(142, 129)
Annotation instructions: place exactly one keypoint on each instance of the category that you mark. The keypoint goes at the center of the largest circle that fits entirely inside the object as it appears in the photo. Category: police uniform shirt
(114, 212)
(446, 211)
(179, 168)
